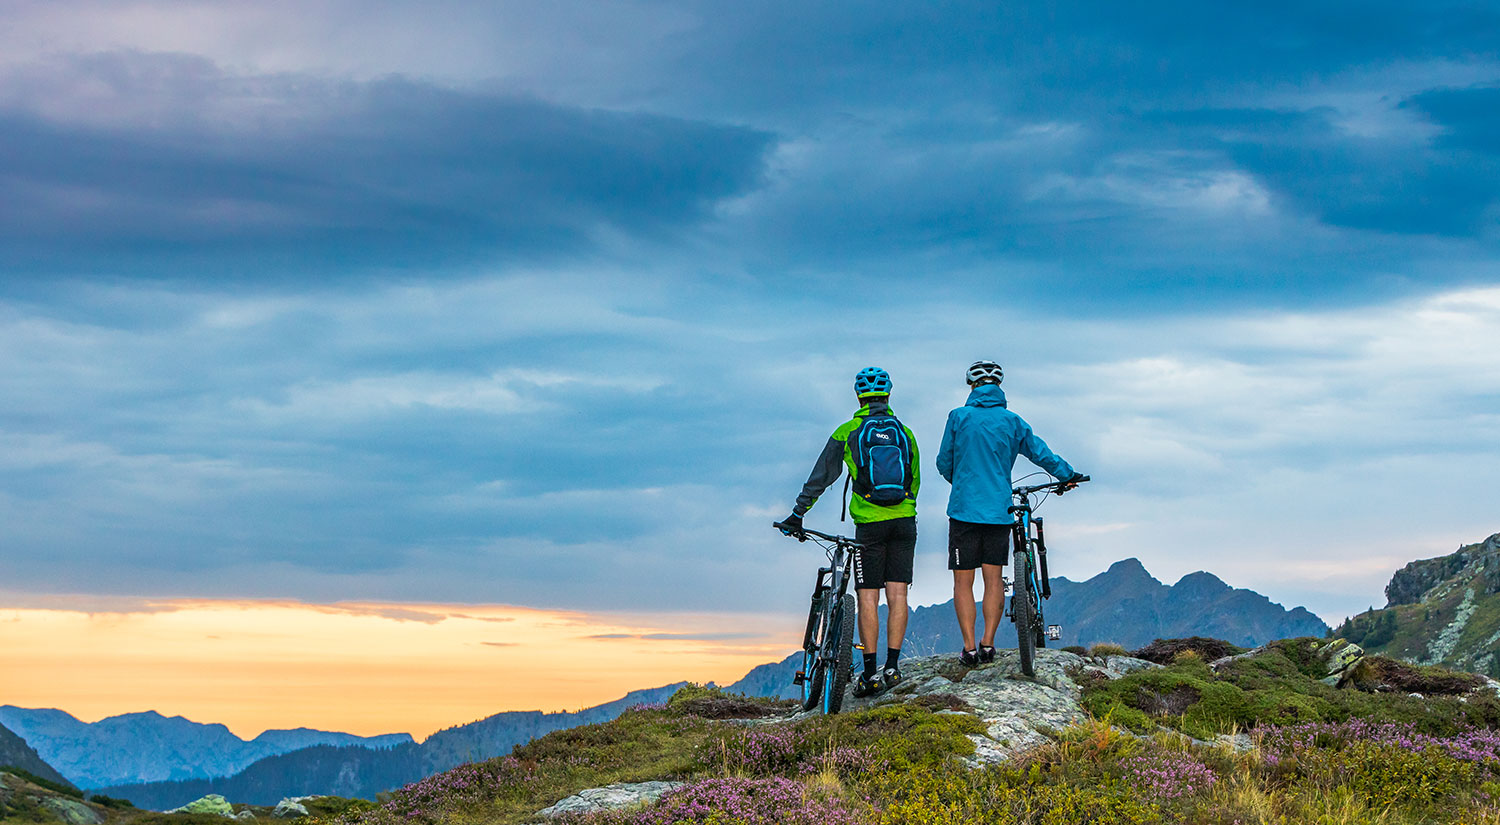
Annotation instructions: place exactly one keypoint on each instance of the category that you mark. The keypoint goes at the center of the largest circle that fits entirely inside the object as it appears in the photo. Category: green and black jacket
(836, 455)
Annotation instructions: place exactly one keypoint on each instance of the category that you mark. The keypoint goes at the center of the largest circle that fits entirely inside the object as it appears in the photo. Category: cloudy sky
(553, 305)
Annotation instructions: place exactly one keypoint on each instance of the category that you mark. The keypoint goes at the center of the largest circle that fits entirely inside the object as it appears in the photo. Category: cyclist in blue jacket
(980, 445)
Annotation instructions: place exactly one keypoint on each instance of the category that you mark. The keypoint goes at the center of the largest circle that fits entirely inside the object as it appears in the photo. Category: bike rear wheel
(1022, 610)
(837, 671)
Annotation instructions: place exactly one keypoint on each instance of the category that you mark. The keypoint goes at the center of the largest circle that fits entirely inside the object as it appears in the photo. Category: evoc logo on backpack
(882, 460)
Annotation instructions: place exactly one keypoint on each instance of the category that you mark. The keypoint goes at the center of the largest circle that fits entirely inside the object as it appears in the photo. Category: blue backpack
(882, 460)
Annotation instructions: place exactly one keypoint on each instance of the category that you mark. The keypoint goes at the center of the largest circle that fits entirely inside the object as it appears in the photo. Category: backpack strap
(844, 502)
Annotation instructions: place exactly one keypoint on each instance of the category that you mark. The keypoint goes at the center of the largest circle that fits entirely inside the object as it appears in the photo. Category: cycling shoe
(968, 658)
(890, 678)
(866, 686)
(986, 654)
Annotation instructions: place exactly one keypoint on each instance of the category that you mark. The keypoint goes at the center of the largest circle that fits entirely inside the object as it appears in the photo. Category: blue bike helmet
(872, 381)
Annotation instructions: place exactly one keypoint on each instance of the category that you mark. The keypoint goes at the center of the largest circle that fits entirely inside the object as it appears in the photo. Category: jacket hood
(986, 395)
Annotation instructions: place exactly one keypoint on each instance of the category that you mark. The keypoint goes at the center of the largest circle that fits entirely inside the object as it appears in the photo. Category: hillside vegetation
(1182, 731)
(1260, 738)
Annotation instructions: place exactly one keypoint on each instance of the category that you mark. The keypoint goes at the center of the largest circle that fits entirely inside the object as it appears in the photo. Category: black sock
(892, 657)
(869, 664)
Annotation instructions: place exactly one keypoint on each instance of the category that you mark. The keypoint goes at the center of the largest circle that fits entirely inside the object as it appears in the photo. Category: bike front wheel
(812, 642)
(840, 667)
(1022, 610)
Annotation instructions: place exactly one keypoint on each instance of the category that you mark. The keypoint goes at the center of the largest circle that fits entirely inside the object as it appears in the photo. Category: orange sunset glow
(362, 668)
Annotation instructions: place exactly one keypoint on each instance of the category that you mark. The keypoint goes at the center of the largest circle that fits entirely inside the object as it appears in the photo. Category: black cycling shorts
(887, 552)
(970, 544)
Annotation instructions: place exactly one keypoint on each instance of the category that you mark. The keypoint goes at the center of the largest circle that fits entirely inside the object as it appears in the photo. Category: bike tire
(812, 680)
(812, 668)
(836, 677)
(1021, 609)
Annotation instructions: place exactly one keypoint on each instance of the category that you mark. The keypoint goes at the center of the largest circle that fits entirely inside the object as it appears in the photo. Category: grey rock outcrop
(211, 804)
(289, 808)
(71, 811)
(610, 797)
(1018, 712)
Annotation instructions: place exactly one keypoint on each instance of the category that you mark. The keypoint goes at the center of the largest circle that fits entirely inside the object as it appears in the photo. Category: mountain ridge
(148, 745)
(1124, 605)
(360, 772)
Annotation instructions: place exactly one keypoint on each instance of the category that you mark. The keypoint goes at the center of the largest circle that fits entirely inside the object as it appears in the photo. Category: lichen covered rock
(610, 797)
(211, 804)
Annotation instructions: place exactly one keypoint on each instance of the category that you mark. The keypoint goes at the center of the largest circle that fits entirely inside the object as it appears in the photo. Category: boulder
(71, 811)
(211, 804)
(1018, 712)
(1340, 657)
(289, 808)
(610, 797)
(246, 815)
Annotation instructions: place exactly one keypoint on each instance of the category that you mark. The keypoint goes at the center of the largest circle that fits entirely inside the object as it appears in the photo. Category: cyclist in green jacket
(884, 471)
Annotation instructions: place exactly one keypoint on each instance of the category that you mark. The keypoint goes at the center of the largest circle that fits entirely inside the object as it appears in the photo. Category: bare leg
(895, 622)
(869, 617)
(963, 604)
(994, 601)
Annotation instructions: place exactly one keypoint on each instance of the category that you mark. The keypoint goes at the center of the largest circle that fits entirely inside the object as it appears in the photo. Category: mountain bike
(828, 643)
(1032, 582)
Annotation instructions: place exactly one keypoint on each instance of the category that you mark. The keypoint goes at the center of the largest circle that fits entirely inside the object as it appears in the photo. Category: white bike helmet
(984, 372)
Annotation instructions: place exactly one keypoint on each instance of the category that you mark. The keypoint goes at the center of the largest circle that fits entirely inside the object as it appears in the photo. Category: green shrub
(954, 795)
(1166, 651)
(1279, 686)
(899, 736)
(111, 802)
(1387, 775)
(328, 807)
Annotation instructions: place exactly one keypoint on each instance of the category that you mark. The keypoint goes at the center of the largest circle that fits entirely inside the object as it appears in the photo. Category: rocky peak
(1201, 584)
(1129, 569)
(1417, 581)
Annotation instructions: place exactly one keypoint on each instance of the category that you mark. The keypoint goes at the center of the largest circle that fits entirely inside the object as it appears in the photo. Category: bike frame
(836, 576)
(821, 655)
(1030, 539)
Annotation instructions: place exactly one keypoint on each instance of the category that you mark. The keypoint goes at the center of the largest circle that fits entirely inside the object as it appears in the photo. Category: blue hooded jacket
(980, 445)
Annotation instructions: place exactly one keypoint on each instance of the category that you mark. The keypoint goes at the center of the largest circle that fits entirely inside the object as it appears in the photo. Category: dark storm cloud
(292, 169)
(634, 286)
(1058, 59)
(1128, 146)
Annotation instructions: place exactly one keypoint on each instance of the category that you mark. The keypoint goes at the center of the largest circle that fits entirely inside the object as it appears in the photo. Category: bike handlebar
(801, 534)
(1058, 486)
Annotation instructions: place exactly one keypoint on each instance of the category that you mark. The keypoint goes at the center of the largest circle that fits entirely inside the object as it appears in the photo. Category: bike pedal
(799, 678)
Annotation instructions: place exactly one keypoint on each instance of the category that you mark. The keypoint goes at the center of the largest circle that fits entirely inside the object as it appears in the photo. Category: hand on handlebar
(1072, 482)
(791, 526)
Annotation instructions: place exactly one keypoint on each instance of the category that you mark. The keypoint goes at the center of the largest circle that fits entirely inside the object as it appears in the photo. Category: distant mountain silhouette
(147, 746)
(1124, 604)
(15, 753)
(355, 771)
